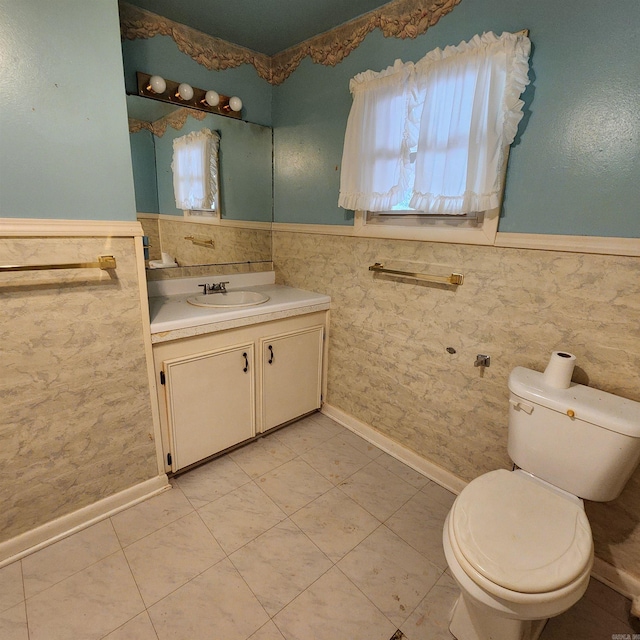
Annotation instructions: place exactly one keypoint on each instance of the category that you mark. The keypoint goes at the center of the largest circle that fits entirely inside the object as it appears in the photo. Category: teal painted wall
(575, 165)
(160, 55)
(143, 159)
(63, 121)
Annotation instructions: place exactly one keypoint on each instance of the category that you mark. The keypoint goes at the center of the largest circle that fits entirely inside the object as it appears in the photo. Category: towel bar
(203, 242)
(103, 262)
(454, 278)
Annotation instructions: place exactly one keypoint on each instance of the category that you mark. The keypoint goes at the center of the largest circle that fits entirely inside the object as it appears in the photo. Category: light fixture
(185, 95)
(157, 84)
(185, 91)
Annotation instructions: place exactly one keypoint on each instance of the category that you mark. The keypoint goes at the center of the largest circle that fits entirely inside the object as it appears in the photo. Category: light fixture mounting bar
(197, 102)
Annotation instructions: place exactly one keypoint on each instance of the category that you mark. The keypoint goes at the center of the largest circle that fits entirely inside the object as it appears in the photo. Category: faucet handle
(204, 288)
(223, 285)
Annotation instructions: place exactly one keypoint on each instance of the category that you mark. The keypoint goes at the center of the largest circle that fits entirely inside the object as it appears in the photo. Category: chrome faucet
(216, 287)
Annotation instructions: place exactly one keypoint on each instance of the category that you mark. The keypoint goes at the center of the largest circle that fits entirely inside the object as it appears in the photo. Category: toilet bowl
(521, 552)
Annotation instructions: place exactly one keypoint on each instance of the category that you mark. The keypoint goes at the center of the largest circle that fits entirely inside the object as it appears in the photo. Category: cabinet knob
(246, 362)
(271, 356)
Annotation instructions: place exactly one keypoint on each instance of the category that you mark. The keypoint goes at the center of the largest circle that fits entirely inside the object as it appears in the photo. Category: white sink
(229, 299)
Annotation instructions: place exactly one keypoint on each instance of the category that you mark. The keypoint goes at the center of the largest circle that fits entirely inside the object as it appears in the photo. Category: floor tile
(587, 622)
(335, 459)
(335, 523)
(211, 481)
(379, 491)
(13, 623)
(420, 522)
(268, 632)
(139, 628)
(58, 561)
(262, 456)
(11, 588)
(402, 470)
(168, 558)
(241, 516)
(149, 516)
(430, 619)
(439, 496)
(600, 595)
(87, 605)
(216, 604)
(294, 485)
(331, 425)
(279, 565)
(359, 443)
(304, 434)
(330, 609)
(392, 574)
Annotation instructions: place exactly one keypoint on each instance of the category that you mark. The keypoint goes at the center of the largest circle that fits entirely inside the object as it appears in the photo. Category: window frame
(441, 229)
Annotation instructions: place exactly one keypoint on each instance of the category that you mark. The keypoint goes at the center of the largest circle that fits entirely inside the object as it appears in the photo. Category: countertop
(172, 317)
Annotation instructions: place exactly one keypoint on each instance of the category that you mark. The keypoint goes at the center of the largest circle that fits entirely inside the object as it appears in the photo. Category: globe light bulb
(157, 84)
(235, 104)
(212, 98)
(185, 91)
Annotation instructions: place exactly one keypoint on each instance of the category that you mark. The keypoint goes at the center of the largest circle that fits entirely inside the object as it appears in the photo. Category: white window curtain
(458, 109)
(195, 170)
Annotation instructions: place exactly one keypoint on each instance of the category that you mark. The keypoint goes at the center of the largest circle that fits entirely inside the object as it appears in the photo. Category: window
(426, 144)
(195, 171)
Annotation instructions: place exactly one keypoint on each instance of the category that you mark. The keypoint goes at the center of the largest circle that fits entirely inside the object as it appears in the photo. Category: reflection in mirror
(240, 232)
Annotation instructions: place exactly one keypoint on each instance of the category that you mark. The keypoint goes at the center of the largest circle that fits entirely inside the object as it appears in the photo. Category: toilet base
(470, 622)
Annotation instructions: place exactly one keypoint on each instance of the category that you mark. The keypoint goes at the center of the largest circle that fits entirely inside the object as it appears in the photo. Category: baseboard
(619, 580)
(432, 471)
(40, 537)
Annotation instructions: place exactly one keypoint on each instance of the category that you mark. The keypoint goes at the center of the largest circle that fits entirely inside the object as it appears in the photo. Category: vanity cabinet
(209, 401)
(291, 375)
(222, 388)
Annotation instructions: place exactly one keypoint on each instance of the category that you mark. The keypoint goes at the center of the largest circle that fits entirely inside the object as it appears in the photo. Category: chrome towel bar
(454, 278)
(103, 262)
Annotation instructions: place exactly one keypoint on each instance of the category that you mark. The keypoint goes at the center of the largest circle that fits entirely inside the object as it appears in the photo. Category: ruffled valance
(451, 116)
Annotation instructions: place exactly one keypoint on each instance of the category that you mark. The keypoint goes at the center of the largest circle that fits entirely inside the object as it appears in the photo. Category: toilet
(518, 543)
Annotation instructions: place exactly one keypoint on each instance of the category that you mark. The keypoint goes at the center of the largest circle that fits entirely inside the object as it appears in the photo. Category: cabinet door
(210, 402)
(291, 375)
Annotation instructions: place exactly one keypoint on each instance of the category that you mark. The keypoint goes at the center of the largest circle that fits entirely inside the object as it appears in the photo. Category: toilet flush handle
(522, 406)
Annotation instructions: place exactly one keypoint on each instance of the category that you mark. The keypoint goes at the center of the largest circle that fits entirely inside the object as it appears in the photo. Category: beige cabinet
(291, 375)
(209, 400)
(220, 389)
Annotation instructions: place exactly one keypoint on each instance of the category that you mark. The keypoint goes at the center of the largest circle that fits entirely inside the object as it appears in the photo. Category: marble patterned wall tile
(231, 244)
(77, 423)
(388, 364)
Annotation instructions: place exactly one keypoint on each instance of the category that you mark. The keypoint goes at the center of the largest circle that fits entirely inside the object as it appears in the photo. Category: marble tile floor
(309, 533)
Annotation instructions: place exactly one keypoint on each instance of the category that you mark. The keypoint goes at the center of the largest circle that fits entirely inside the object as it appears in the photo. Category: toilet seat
(518, 535)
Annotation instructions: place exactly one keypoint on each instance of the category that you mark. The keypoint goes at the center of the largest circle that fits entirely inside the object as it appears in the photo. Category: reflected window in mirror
(195, 172)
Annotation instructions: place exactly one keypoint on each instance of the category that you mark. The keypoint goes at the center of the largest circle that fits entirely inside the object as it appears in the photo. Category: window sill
(484, 234)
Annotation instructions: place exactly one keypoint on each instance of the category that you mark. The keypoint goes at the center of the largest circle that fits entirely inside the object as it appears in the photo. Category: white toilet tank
(579, 439)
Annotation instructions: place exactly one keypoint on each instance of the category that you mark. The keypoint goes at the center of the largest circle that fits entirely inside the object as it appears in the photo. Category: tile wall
(77, 423)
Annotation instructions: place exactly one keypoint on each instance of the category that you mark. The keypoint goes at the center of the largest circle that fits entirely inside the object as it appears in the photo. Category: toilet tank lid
(590, 405)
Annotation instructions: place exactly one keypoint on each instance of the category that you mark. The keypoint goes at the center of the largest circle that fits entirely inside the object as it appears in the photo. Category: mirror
(242, 232)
